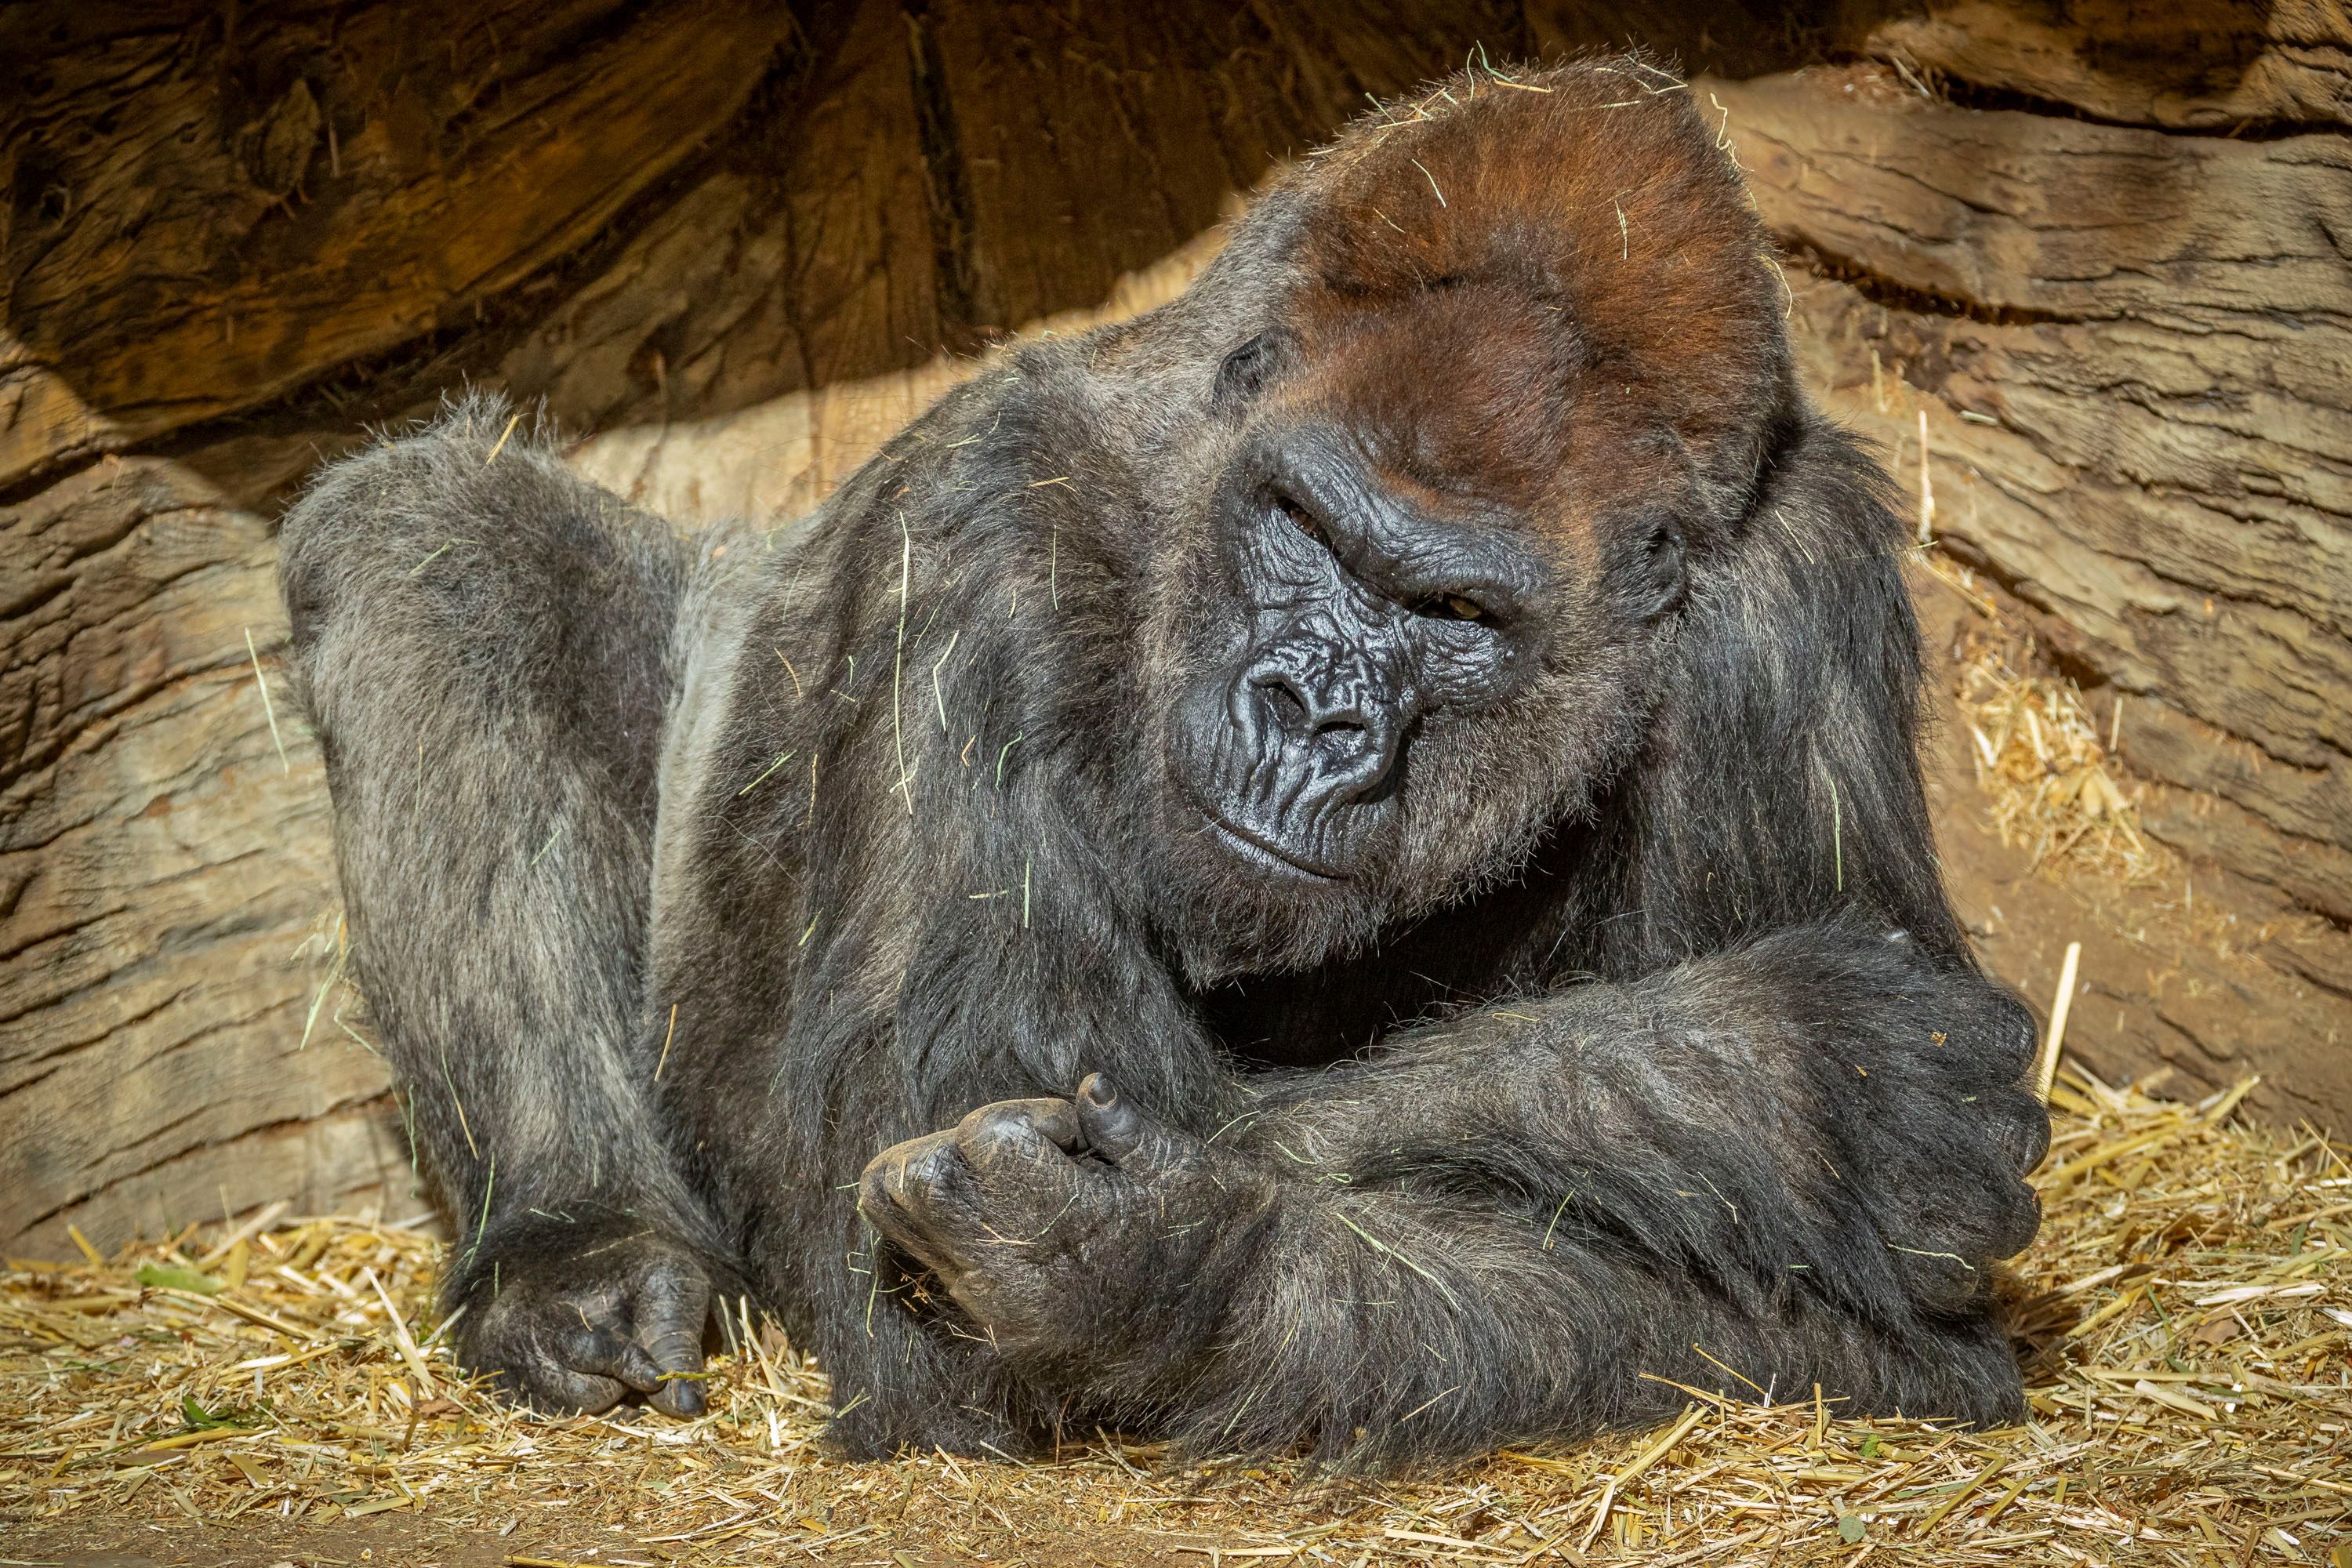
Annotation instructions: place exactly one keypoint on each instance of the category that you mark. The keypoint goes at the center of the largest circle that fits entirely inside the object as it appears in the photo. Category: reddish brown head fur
(1550, 290)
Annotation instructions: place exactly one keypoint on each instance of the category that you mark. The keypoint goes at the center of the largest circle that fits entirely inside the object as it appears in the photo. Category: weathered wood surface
(2151, 332)
(225, 205)
(950, 172)
(2202, 64)
(2192, 973)
(159, 867)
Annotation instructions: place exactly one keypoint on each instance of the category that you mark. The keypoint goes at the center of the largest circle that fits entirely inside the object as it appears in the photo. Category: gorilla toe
(578, 1334)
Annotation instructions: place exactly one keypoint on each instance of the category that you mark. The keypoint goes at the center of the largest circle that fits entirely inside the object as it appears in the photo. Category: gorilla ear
(1669, 566)
(1652, 569)
(1249, 367)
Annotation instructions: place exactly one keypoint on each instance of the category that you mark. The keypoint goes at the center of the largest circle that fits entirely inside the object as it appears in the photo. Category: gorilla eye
(1450, 607)
(1302, 519)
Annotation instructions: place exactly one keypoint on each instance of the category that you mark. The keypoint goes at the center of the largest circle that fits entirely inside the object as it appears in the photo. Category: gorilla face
(1361, 616)
(1408, 632)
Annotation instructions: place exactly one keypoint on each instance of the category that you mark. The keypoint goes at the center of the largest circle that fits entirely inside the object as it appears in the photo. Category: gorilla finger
(586, 1347)
(557, 1390)
(1019, 1129)
(2016, 1223)
(1116, 1128)
(677, 1357)
(671, 1300)
(2021, 1128)
(636, 1367)
(681, 1395)
(1112, 1125)
(917, 1193)
(671, 1381)
(670, 1327)
(907, 1175)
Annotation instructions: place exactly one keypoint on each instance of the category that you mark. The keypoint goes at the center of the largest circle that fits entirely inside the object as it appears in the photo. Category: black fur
(695, 885)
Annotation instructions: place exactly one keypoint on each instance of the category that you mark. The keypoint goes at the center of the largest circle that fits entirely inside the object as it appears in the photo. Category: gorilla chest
(1326, 1015)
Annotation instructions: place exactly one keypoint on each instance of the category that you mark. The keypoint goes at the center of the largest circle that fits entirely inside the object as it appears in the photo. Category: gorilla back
(1341, 866)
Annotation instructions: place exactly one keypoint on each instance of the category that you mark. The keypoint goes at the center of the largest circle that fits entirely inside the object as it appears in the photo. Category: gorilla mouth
(1258, 849)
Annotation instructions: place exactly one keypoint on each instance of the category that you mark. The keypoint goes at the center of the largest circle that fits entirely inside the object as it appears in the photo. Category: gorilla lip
(1257, 849)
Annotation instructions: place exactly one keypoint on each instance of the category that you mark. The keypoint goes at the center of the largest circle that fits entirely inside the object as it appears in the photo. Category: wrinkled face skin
(1362, 614)
(1394, 664)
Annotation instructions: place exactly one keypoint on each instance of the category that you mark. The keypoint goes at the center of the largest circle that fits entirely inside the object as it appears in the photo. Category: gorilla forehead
(1601, 195)
(1560, 300)
(1489, 432)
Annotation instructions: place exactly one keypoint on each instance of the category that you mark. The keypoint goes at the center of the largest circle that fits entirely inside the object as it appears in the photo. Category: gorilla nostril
(1282, 701)
(1297, 714)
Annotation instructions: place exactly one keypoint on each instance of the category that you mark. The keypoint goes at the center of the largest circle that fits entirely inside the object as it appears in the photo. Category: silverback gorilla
(1340, 867)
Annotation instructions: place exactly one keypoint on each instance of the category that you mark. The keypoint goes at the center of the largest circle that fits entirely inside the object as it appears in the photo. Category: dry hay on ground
(2186, 1316)
(2046, 762)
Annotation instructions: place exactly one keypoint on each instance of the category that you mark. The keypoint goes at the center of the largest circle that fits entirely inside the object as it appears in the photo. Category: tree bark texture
(2129, 344)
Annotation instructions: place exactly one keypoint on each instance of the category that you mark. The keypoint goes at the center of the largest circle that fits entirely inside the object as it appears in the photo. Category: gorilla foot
(567, 1332)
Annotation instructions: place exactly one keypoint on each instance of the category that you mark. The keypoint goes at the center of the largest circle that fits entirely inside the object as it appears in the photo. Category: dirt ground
(409, 1540)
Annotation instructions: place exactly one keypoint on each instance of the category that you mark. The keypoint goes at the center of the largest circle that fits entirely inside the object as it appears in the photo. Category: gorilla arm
(1759, 1171)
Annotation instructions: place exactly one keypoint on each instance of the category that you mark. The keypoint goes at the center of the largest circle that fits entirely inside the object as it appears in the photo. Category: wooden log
(2200, 64)
(167, 891)
(804, 256)
(944, 174)
(226, 210)
(2135, 341)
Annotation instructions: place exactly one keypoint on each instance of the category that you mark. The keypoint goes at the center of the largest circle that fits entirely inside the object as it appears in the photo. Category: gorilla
(1338, 869)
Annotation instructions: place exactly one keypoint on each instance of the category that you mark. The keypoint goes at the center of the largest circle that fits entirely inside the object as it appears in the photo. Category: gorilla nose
(1299, 714)
(1339, 746)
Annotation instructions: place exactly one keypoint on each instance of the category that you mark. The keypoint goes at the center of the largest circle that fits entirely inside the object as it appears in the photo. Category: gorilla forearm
(1831, 1101)
(1380, 1327)
(1125, 1271)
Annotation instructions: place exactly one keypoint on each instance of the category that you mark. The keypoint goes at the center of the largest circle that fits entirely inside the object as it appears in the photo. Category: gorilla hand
(1094, 1246)
(1939, 1134)
(567, 1317)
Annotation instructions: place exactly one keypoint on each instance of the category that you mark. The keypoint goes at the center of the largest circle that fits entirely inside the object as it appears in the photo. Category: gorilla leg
(484, 644)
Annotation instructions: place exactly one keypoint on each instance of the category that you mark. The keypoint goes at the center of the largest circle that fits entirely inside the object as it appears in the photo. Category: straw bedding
(2185, 1318)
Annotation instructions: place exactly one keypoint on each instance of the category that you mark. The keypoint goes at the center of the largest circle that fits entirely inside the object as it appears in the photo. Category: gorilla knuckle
(2019, 1222)
(2016, 1039)
(920, 1175)
(995, 1133)
(2020, 1126)
(1009, 1136)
